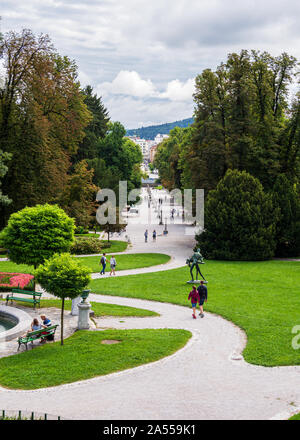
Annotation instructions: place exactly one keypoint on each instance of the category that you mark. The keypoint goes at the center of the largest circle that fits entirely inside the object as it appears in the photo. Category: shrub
(81, 230)
(105, 245)
(240, 220)
(36, 233)
(86, 245)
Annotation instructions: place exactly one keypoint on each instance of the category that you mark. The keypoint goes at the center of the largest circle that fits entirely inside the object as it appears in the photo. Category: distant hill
(151, 131)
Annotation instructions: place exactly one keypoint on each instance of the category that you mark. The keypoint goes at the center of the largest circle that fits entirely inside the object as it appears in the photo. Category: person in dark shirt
(46, 321)
(194, 297)
(103, 263)
(202, 290)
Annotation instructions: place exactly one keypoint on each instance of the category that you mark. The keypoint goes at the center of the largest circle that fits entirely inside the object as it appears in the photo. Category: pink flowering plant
(11, 280)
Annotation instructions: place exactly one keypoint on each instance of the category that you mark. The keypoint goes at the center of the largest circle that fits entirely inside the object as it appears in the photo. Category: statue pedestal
(75, 303)
(83, 316)
(196, 282)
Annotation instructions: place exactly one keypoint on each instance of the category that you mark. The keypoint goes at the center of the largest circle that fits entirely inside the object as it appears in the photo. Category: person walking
(154, 235)
(202, 290)
(113, 264)
(194, 297)
(103, 262)
(146, 235)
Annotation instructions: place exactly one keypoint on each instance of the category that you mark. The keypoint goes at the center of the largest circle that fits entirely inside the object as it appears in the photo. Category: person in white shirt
(113, 264)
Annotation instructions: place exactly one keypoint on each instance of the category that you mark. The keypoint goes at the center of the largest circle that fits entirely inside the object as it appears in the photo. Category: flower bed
(10, 280)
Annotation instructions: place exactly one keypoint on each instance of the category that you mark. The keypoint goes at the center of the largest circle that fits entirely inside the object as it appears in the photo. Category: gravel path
(207, 379)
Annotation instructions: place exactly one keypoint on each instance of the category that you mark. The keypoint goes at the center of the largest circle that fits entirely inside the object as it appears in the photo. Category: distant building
(160, 137)
(147, 146)
(153, 150)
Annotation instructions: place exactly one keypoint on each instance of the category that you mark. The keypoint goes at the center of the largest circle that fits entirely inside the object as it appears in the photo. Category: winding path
(200, 381)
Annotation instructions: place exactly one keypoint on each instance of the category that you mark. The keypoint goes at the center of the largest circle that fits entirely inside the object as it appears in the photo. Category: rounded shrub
(86, 245)
(240, 220)
(36, 233)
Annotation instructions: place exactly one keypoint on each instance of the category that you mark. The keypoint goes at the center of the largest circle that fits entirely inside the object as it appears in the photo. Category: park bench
(42, 334)
(32, 297)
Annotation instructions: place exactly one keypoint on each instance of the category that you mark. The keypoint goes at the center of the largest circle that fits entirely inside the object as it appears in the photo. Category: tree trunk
(34, 283)
(108, 236)
(62, 322)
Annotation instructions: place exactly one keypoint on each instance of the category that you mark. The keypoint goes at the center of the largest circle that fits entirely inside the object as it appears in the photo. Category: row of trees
(57, 144)
(245, 121)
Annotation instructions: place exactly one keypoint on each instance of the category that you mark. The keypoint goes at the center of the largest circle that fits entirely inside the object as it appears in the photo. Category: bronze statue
(194, 261)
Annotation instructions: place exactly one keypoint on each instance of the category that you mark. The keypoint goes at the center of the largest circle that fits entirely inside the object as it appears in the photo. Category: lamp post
(166, 228)
(160, 219)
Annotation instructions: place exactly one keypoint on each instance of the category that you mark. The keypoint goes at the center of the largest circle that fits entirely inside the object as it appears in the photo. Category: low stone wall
(20, 317)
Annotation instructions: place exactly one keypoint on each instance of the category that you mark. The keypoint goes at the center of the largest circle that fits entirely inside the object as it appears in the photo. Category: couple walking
(113, 264)
(198, 295)
(146, 235)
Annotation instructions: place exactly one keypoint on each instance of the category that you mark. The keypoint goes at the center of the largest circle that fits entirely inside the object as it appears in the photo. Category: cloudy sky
(142, 56)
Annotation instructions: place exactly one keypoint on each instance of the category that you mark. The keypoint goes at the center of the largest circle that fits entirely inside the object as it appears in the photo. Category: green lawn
(263, 298)
(295, 417)
(116, 246)
(83, 356)
(100, 309)
(124, 262)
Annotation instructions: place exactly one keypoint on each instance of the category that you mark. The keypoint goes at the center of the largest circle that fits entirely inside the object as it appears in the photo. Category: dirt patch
(110, 341)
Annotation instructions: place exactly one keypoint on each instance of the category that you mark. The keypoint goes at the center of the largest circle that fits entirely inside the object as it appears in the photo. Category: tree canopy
(64, 277)
(35, 234)
(240, 220)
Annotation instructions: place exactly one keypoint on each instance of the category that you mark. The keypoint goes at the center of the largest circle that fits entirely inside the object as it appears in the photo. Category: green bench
(33, 297)
(42, 334)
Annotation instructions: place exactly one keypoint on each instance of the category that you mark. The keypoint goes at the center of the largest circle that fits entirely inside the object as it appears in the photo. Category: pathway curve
(200, 381)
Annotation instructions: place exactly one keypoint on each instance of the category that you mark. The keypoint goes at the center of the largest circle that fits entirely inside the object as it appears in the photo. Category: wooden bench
(33, 297)
(42, 334)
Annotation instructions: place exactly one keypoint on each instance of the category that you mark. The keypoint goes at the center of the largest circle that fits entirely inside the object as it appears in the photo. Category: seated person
(35, 325)
(46, 321)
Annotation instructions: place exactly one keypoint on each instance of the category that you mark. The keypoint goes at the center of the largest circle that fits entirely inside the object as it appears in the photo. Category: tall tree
(96, 129)
(42, 118)
(78, 199)
(287, 200)
(4, 157)
(240, 220)
(243, 121)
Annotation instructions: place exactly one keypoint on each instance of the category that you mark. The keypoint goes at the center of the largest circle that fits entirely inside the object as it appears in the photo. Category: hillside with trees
(151, 131)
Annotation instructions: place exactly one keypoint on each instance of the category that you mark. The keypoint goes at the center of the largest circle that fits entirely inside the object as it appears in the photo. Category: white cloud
(129, 83)
(179, 91)
(139, 50)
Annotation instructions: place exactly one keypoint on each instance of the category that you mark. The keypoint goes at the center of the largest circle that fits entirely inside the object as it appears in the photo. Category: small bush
(105, 245)
(86, 245)
(81, 230)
